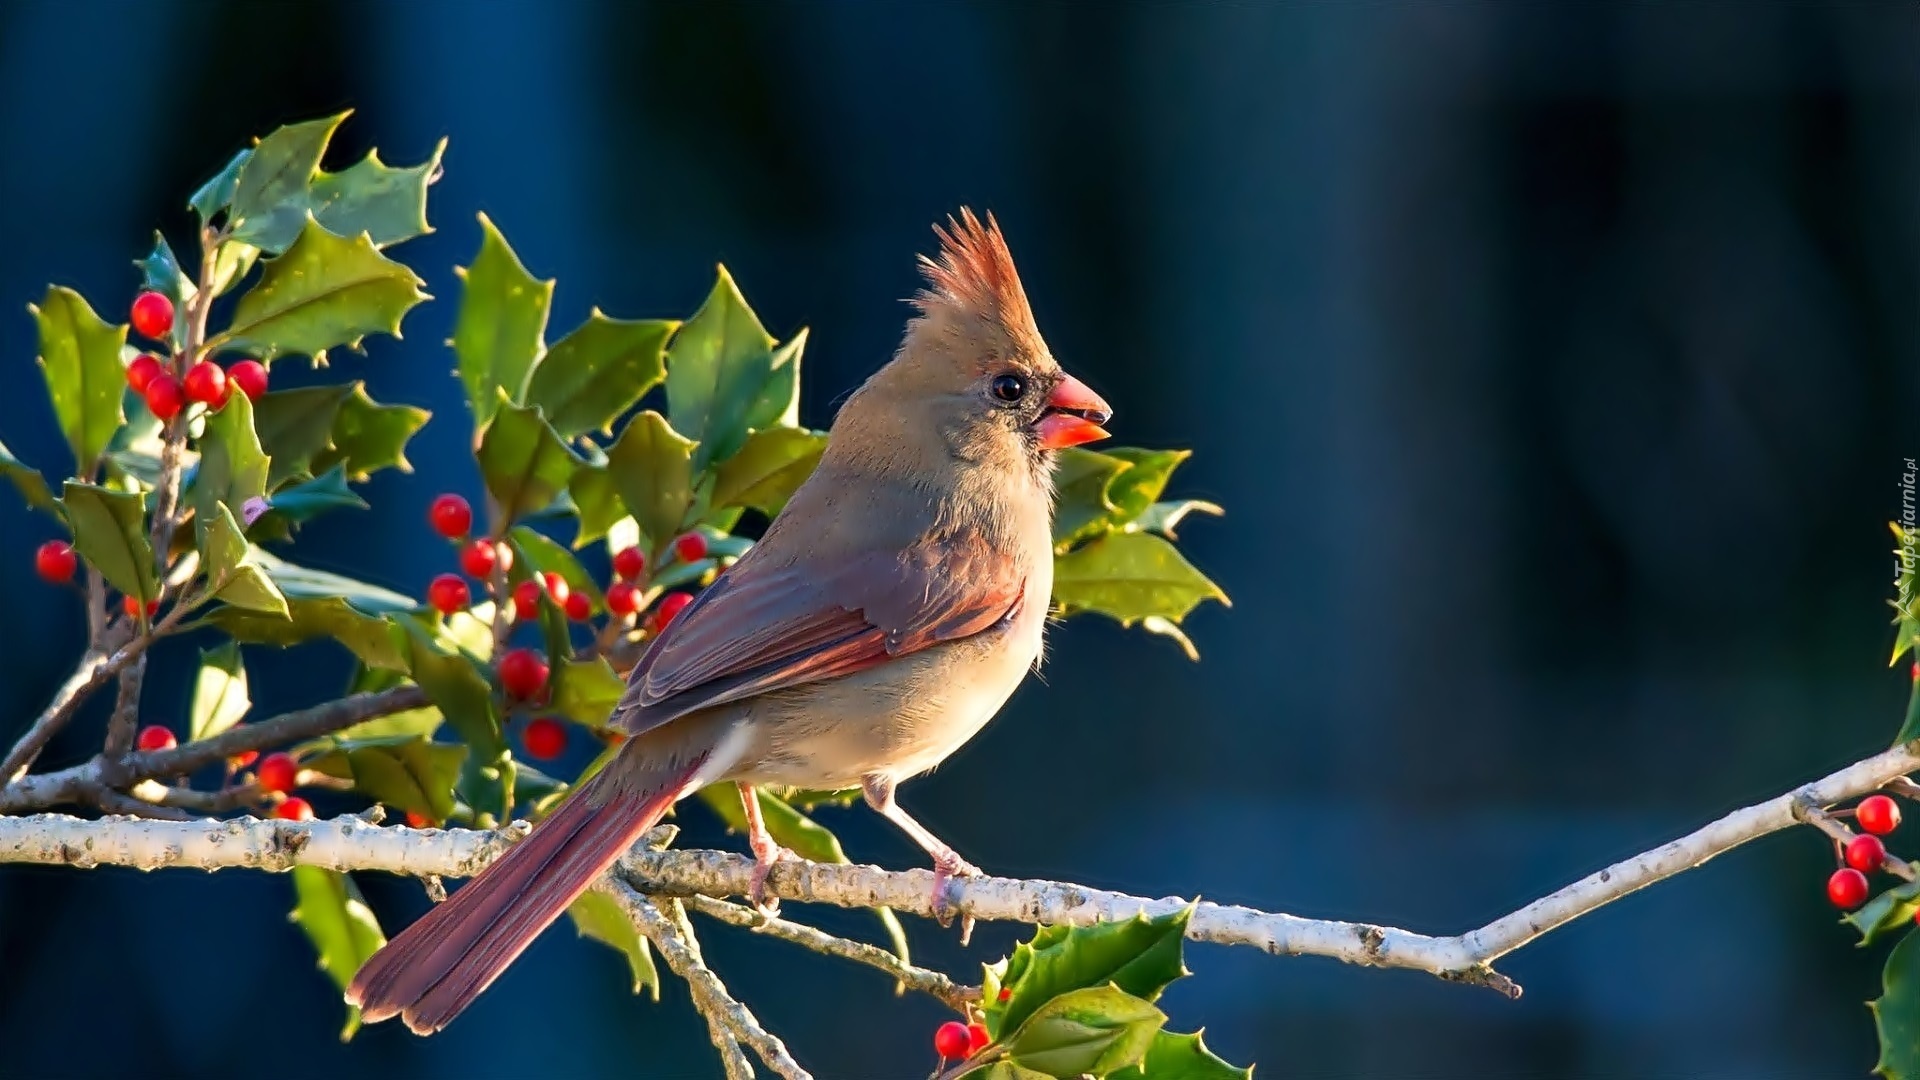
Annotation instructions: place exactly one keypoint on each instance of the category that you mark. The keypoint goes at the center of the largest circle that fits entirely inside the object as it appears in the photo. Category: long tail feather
(437, 966)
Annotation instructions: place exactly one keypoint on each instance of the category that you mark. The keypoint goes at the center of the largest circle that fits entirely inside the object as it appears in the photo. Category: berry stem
(1826, 822)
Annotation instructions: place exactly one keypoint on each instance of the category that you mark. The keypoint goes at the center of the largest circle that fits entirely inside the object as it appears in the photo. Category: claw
(944, 871)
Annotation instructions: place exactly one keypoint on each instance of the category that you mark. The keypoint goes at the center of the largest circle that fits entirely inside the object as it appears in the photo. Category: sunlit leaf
(80, 359)
(31, 485)
(1174, 1056)
(220, 697)
(342, 928)
(651, 467)
(596, 916)
(501, 327)
(326, 291)
(524, 463)
(110, 533)
(1896, 1013)
(717, 367)
(770, 466)
(1088, 1032)
(599, 371)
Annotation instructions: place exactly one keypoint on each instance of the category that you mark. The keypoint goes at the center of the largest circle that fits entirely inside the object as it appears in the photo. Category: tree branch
(67, 785)
(351, 844)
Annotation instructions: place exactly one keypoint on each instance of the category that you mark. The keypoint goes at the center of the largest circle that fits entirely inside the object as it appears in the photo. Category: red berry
(55, 561)
(152, 315)
(977, 1038)
(1878, 814)
(131, 605)
(206, 383)
(448, 593)
(165, 396)
(526, 600)
(579, 607)
(250, 376)
(522, 673)
(1006, 993)
(670, 606)
(480, 557)
(950, 1040)
(623, 599)
(691, 548)
(1847, 888)
(1866, 853)
(244, 758)
(142, 370)
(544, 739)
(629, 563)
(556, 588)
(155, 737)
(277, 773)
(451, 516)
(418, 820)
(294, 808)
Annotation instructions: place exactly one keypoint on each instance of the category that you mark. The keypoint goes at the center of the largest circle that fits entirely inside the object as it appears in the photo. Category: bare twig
(727, 1018)
(1902, 786)
(342, 845)
(126, 713)
(85, 680)
(914, 978)
(65, 786)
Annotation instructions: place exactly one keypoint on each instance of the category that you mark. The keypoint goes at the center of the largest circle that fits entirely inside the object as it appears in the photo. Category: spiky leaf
(502, 324)
(388, 204)
(367, 436)
(326, 291)
(599, 371)
(269, 203)
(31, 485)
(1139, 955)
(1130, 577)
(651, 467)
(341, 926)
(233, 467)
(408, 772)
(215, 195)
(80, 360)
(1181, 1057)
(1088, 1032)
(1896, 1013)
(220, 698)
(539, 553)
(458, 689)
(769, 468)
(233, 573)
(718, 366)
(110, 533)
(524, 463)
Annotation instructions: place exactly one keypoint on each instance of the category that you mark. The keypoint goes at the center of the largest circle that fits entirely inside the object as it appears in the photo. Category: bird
(886, 614)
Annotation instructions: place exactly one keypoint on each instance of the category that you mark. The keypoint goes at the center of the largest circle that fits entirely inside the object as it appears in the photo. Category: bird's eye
(1009, 387)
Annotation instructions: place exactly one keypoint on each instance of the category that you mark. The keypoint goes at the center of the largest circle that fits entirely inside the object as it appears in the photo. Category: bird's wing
(763, 627)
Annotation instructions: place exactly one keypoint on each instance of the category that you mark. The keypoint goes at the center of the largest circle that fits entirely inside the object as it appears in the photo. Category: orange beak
(1073, 415)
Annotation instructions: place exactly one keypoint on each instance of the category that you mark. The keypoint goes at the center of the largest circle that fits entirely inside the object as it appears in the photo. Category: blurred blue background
(1555, 363)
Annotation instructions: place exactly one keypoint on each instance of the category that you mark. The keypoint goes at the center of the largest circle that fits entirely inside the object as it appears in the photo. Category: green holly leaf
(1163, 517)
(599, 371)
(586, 691)
(388, 204)
(1141, 956)
(1910, 728)
(717, 368)
(216, 194)
(324, 292)
(1092, 1031)
(541, 554)
(161, 273)
(458, 689)
(234, 574)
(770, 466)
(306, 583)
(779, 402)
(651, 467)
(522, 460)
(341, 926)
(1891, 910)
(303, 502)
(368, 636)
(501, 329)
(1181, 1057)
(597, 502)
(367, 436)
(1130, 577)
(110, 533)
(296, 426)
(797, 833)
(1896, 1014)
(596, 916)
(220, 698)
(233, 467)
(269, 202)
(231, 262)
(1081, 480)
(80, 359)
(407, 772)
(1141, 484)
(31, 485)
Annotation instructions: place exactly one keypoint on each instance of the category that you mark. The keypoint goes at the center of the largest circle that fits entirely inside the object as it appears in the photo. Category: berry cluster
(168, 390)
(523, 673)
(955, 1041)
(1863, 853)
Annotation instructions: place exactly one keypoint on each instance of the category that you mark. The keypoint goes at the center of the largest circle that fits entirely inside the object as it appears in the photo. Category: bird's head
(973, 378)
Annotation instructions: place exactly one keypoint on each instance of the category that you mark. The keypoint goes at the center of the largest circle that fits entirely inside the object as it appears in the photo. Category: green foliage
(1894, 909)
(342, 928)
(1174, 1056)
(80, 359)
(1896, 1013)
(707, 411)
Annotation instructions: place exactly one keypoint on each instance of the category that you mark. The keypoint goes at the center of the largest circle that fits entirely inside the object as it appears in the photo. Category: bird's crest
(974, 272)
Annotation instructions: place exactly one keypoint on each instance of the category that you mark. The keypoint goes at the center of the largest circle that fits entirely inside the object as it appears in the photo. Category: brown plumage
(886, 615)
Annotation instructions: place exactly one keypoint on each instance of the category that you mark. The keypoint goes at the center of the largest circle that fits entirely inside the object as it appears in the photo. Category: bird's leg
(947, 863)
(765, 851)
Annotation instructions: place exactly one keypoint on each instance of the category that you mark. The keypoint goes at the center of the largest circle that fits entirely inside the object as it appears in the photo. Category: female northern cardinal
(887, 614)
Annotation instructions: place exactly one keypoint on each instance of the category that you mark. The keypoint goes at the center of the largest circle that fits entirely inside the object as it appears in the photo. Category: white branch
(352, 844)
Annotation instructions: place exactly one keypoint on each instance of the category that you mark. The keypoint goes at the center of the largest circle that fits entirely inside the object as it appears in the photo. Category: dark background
(1555, 362)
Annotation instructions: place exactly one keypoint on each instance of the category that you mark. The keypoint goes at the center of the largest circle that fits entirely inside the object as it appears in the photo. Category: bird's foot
(764, 858)
(946, 866)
